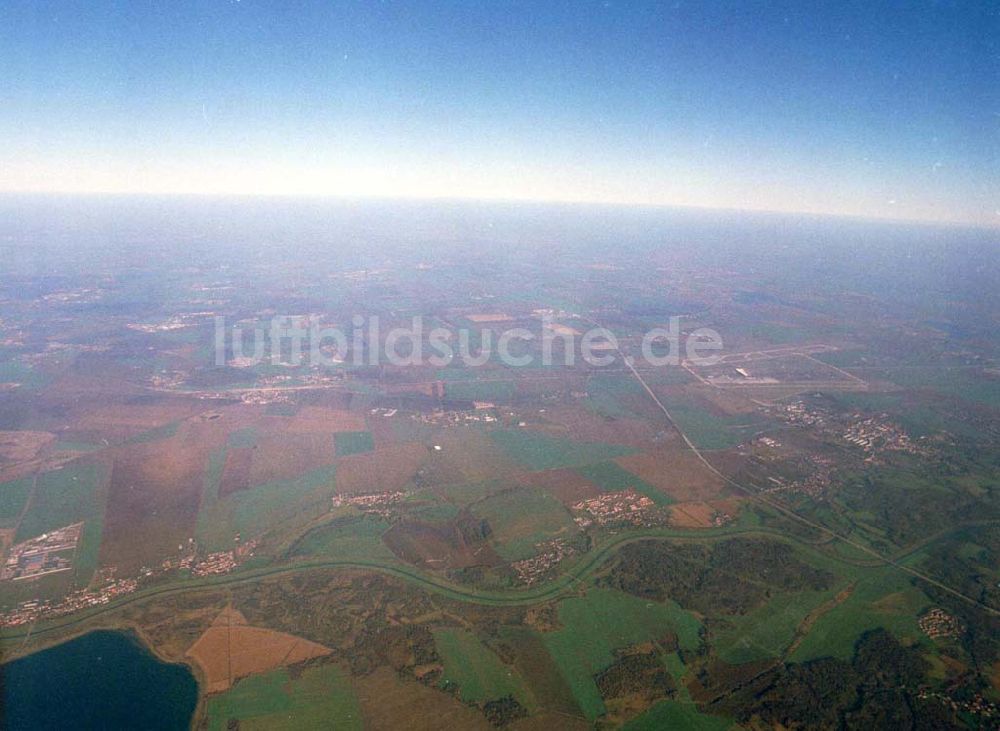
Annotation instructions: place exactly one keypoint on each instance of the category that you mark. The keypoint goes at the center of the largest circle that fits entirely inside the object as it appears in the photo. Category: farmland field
(803, 534)
(13, 498)
(541, 452)
(479, 674)
(522, 517)
(354, 442)
(276, 700)
(600, 622)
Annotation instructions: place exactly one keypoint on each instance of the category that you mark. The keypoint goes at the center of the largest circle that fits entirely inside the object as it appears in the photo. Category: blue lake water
(102, 680)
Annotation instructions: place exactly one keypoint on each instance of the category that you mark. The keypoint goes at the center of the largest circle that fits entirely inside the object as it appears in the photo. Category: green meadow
(77, 492)
(884, 597)
(538, 451)
(477, 671)
(349, 537)
(353, 442)
(612, 477)
(321, 697)
(499, 391)
(706, 429)
(603, 620)
(523, 517)
(13, 496)
(679, 715)
(253, 511)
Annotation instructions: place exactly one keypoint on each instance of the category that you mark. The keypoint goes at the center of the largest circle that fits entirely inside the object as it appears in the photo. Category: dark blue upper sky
(868, 108)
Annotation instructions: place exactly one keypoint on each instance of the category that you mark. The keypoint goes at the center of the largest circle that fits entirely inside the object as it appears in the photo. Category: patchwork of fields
(522, 548)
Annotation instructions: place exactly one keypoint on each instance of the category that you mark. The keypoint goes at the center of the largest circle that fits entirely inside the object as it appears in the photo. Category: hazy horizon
(878, 111)
(344, 200)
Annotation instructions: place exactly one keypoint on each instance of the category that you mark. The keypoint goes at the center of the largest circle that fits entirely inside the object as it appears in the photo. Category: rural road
(562, 584)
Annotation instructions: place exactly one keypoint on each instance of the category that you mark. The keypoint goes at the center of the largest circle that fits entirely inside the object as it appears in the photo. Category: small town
(531, 570)
(875, 435)
(217, 563)
(483, 413)
(798, 413)
(815, 485)
(617, 508)
(31, 611)
(977, 706)
(938, 623)
(379, 503)
(220, 562)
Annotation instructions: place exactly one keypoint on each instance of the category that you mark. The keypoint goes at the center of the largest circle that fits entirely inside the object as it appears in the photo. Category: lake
(102, 680)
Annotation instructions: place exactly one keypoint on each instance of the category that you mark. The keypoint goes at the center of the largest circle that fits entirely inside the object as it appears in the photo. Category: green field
(463, 494)
(349, 537)
(252, 512)
(321, 697)
(523, 517)
(706, 429)
(959, 382)
(61, 446)
(62, 497)
(246, 438)
(919, 414)
(602, 621)
(612, 477)
(433, 512)
(353, 442)
(677, 715)
(13, 371)
(281, 409)
(13, 496)
(768, 630)
(883, 598)
(499, 391)
(153, 435)
(210, 530)
(605, 392)
(538, 451)
(477, 671)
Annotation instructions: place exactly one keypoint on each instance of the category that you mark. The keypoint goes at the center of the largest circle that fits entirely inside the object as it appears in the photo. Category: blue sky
(885, 110)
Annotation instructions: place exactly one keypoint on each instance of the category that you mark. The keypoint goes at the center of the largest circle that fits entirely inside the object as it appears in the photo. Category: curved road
(563, 583)
(542, 593)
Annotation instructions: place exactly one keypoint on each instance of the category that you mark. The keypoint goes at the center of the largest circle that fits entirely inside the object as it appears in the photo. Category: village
(872, 434)
(875, 435)
(34, 610)
(626, 507)
(937, 623)
(379, 503)
(532, 570)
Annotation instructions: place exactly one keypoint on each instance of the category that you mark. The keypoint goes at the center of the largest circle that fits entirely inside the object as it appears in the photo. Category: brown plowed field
(699, 514)
(565, 485)
(231, 649)
(576, 422)
(312, 419)
(154, 498)
(236, 472)
(284, 456)
(679, 474)
(383, 470)
(389, 702)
